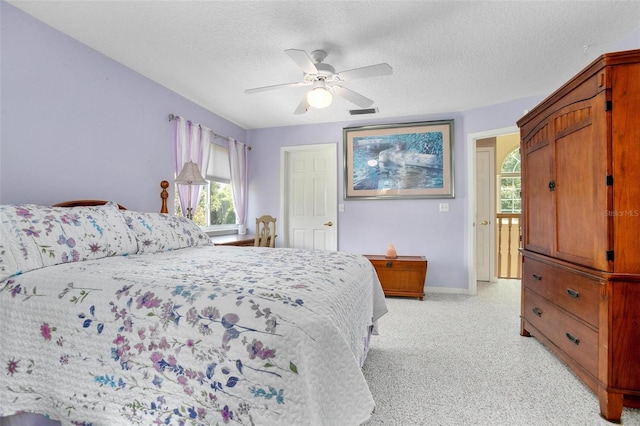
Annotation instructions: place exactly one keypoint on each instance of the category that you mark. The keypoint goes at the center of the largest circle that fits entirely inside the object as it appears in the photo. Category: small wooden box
(402, 276)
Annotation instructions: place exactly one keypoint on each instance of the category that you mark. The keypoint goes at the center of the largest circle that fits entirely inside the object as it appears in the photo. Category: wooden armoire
(580, 152)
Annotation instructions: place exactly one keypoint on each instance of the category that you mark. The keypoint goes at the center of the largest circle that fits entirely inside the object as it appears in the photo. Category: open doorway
(498, 207)
(472, 141)
(509, 207)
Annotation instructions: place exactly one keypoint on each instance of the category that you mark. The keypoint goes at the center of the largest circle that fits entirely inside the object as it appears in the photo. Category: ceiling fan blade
(277, 86)
(303, 60)
(303, 106)
(351, 96)
(365, 72)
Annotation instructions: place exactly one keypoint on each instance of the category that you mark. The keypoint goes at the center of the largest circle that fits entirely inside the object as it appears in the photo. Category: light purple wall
(415, 227)
(76, 124)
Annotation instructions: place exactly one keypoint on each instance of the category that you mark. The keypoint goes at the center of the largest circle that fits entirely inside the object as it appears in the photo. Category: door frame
(285, 151)
(472, 286)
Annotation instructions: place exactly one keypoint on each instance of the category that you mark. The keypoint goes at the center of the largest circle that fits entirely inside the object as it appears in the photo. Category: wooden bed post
(164, 195)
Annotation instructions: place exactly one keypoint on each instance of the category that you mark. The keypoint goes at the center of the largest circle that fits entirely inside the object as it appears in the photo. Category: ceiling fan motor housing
(325, 70)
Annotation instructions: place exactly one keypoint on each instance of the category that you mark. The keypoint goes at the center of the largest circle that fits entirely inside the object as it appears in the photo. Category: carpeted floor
(460, 360)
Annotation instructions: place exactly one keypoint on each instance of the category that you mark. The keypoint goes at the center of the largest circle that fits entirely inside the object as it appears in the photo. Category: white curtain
(193, 143)
(239, 166)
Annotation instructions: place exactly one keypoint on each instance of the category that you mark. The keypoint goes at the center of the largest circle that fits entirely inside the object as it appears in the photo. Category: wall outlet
(444, 207)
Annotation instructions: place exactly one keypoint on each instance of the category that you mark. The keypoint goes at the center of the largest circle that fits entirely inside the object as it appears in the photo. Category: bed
(115, 317)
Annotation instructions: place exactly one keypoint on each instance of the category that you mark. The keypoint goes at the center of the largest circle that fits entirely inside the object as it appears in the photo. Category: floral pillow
(158, 232)
(33, 237)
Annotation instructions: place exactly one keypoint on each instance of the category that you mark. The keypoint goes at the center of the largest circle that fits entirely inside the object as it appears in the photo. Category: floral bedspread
(197, 336)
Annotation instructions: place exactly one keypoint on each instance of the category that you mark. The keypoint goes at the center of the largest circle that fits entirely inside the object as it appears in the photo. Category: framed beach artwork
(409, 160)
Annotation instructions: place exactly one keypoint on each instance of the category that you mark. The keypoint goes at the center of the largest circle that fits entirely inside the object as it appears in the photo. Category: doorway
(472, 139)
(308, 206)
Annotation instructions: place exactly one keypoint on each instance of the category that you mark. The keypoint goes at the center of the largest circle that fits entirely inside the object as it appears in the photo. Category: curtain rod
(173, 117)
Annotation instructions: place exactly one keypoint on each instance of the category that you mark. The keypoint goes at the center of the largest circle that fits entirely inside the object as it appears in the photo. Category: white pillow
(156, 232)
(33, 236)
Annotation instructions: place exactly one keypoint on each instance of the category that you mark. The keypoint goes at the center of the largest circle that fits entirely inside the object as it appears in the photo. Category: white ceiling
(447, 56)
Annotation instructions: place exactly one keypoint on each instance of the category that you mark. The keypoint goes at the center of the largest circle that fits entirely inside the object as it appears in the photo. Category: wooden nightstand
(402, 276)
(233, 240)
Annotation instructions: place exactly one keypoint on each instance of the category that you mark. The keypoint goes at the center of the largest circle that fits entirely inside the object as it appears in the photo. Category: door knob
(328, 223)
(484, 222)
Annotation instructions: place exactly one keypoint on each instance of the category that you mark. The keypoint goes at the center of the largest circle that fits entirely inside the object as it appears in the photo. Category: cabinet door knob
(538, 312)
(389, 264)
(552, 185)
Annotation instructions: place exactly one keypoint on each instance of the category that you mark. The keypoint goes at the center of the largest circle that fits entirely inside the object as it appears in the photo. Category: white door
(309, 180)
(485, 166)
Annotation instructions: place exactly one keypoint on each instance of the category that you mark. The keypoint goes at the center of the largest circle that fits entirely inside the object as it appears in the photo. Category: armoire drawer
(575, 338)
(576, 293)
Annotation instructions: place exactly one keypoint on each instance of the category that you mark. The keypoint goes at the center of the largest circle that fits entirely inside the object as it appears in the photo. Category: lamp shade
(319, 96)
(190, 175)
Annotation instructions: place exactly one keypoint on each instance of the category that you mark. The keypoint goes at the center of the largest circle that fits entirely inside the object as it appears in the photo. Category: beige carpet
(460, 360)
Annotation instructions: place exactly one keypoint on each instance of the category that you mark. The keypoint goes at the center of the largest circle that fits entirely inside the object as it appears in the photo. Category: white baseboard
(448, 290)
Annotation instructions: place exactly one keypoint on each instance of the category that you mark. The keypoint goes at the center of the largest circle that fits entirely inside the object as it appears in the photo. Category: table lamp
(190, 175)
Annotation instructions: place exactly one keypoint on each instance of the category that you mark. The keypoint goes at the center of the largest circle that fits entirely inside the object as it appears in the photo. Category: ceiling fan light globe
(319, 97)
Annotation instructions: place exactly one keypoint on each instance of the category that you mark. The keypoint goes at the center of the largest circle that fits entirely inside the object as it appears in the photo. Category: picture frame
(399, 161)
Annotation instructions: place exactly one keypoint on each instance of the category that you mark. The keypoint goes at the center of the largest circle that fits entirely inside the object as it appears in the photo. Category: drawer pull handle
(389, 264)
(573, 293)
(538, 312)
(537, 277)
(573, 339)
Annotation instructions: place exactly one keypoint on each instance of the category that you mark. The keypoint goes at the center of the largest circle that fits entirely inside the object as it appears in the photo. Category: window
(215, 210)
(510, 183)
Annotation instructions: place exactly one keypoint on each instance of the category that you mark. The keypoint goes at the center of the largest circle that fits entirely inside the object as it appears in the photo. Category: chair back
(265, 231)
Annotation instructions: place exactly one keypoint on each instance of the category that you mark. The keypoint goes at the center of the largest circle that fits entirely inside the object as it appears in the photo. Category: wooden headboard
(85, 203)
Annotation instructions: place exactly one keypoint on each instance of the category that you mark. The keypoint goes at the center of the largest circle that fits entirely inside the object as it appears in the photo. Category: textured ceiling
(447, 56)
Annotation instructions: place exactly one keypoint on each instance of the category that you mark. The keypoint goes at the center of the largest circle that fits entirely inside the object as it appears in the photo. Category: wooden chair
(265, 231)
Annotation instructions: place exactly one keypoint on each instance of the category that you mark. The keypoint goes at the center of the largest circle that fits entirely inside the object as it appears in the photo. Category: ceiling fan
(326, 81)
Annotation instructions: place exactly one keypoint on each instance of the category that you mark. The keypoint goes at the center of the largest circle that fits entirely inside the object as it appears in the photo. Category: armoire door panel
(581, 187)
(538, 200)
